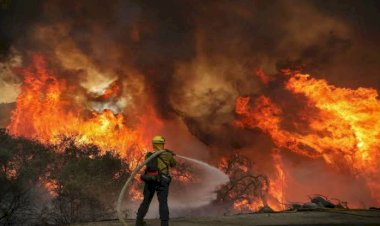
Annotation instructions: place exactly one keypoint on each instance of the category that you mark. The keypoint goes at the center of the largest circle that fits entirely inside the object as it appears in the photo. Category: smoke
(5, 112)
(190, 60)
(9, 82)
(306, 177)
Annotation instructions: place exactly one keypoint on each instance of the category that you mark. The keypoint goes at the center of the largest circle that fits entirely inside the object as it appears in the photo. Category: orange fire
(277, 184)
(245, 205)
(342, 125)
(113, 90)
(247, 191)
(271, 194)
(45, 111)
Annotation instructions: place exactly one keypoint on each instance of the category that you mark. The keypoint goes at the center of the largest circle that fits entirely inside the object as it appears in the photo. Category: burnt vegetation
(243, 184)
(57, 185)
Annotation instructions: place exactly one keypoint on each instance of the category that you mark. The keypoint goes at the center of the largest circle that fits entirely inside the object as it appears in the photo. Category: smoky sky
(195, 57)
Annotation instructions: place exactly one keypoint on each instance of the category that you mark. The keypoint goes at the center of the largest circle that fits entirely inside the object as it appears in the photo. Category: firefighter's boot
(164, 223)
(140, 222)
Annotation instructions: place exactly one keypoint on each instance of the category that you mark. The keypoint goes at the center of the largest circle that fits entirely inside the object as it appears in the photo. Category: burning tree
(245, 191)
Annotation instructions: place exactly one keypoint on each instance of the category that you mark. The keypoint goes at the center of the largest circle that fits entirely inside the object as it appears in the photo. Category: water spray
(139, 167)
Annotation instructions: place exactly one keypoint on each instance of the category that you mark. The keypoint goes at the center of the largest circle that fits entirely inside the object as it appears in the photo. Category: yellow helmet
(158, 140)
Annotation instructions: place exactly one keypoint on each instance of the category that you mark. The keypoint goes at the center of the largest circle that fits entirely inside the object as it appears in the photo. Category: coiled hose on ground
(130, 179)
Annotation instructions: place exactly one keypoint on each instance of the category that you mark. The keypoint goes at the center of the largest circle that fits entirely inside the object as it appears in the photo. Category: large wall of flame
(190, 60)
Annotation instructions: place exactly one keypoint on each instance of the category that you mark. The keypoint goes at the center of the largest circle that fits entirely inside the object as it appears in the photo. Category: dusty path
(313, 218)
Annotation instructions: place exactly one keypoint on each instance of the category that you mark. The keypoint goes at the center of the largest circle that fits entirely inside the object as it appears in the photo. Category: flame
(244, 205)
(262, 76)
(342, 126)
(277, 184)
(114, 90)
(45, 111)
(51, 186)
(271, 195)
(246, 191)
(135, 193)
(354, 113)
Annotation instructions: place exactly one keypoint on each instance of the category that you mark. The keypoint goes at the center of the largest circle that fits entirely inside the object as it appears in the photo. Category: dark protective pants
(162, 189)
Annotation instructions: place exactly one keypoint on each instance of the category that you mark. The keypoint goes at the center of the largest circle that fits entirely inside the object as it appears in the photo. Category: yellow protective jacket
(165, 160)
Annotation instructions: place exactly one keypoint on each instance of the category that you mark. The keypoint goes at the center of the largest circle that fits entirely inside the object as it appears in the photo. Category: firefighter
(157, 179)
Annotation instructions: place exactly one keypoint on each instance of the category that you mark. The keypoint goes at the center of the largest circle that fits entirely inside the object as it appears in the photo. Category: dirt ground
(312, 218)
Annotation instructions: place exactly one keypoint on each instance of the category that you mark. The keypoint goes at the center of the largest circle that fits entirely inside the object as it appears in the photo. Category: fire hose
(123, 190)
